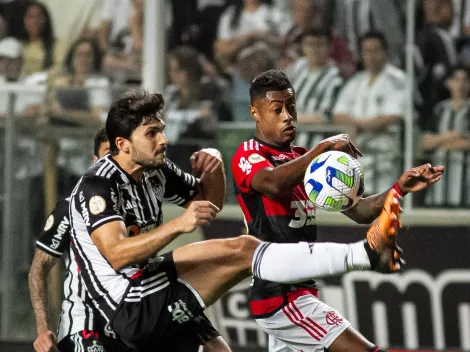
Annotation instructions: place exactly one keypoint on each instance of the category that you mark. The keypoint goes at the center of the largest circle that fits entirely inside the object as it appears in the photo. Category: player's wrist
(372, 255)
(401, 192)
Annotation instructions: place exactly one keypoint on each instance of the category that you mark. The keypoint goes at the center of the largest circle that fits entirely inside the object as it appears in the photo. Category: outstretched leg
(213, 267)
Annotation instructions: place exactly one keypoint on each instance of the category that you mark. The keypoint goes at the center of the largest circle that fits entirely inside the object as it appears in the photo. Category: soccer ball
(334, 181)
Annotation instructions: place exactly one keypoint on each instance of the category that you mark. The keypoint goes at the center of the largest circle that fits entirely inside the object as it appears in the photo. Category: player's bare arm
(37, 278)
(121, 251)
(413, 180)
(274, 182)
(207, 164)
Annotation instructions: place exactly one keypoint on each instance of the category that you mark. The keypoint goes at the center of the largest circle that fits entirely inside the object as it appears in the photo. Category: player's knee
(241, 248)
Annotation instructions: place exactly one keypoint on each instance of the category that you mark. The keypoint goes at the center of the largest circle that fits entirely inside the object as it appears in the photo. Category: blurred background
(394, 74)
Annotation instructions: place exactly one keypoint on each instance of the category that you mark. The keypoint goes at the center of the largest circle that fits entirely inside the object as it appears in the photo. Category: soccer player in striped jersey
(117, 233)
(80, 325)
(268, 173)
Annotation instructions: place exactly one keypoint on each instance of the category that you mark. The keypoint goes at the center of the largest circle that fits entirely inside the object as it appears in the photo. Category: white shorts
(305, 324)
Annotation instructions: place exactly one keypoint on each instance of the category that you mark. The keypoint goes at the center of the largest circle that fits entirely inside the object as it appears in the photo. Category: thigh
(91, 341)
(305, 324)
(276, 345)
(156, 304)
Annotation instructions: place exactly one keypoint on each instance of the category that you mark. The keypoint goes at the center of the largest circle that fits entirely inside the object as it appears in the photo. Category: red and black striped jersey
(288, 219)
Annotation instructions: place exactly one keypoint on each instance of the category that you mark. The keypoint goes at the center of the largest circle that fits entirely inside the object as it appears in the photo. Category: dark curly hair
(272, 80)
(129, 111)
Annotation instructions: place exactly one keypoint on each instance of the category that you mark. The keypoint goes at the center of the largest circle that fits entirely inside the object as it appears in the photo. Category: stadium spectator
(436, 55)
(90, 99)
(461, 18)
(114, 21)
(354, 18)
(27, 104)
(447, 137)
(314, 14)
(245, 23)
(374, 101)
(250, 61)
(41, 49)
(12, 12)
(123, 60)
(191, 104)
(315, 79)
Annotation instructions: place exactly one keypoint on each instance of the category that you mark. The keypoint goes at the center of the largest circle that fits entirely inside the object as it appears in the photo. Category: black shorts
(155, 305)
(91, 341)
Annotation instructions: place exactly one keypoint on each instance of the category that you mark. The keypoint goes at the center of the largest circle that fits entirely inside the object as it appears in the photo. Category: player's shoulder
(62, 205)
(249, 146)
(106, 169)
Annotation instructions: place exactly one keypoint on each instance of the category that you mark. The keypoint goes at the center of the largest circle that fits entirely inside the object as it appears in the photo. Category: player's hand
(199, 212)
(207, 160)
(45, 342)
(342, 143)
(420, 177)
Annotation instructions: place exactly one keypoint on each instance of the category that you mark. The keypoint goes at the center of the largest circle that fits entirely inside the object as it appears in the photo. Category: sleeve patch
(255, 158)
(97, 205)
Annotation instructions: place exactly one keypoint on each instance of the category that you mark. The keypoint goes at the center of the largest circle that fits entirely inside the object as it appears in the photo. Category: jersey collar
(272, 146)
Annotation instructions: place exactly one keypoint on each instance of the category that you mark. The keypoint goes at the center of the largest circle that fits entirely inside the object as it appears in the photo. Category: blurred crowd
(345, 58)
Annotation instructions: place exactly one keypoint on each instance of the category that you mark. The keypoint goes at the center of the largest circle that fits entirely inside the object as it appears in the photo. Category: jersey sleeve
(180, 187)
(246, 163)
(97, 202)
(55, 237)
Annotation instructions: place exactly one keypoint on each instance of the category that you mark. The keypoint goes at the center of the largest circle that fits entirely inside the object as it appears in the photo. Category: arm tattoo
(40, 268)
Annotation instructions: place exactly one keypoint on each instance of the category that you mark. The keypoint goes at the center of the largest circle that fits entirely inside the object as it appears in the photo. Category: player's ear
(123, 144)
(254, 113)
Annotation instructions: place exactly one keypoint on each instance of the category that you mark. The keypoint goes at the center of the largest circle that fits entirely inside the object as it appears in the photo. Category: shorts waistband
(269, 305)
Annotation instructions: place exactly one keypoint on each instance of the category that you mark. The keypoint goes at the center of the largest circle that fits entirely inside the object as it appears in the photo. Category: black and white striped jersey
(107, 193)
(315, 91)
(453, 189)
(77, 312)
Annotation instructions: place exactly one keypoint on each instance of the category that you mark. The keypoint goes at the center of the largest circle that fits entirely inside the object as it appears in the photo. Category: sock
(298, 262)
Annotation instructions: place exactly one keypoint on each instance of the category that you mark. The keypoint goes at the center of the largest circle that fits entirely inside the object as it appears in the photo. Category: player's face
(148, 145)
(276, 117)
(102, 151)
(373, 55)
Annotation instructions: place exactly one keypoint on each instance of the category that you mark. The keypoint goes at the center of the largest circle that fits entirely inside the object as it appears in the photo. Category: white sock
(298, 262)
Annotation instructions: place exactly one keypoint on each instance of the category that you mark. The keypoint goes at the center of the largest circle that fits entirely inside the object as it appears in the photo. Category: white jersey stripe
(146, 288)
(150, 279)
(167, 283)
(117, 217)
(48, 248)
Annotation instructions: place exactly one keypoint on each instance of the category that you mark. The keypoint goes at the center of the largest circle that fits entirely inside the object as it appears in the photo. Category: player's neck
(268, 142)
(127, 165)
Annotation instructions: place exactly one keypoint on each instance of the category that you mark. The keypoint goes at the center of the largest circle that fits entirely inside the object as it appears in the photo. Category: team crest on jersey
(95, 348)
(49, 223)
(255, 158)
(97, 205)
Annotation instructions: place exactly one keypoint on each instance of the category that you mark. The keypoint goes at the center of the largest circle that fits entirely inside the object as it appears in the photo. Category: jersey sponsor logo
(49, 223)
(304, 214)
(280, 157)
(255, 158)
(97, 205)
(61, 230)
(245, 165)
(85, 214)
(180, 312)
(333, 319)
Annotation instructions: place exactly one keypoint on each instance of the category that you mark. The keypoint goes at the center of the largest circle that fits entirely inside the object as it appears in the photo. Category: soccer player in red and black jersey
(268, 172)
